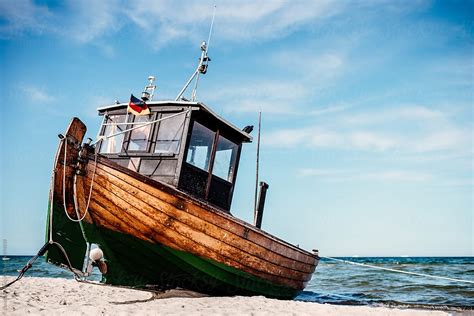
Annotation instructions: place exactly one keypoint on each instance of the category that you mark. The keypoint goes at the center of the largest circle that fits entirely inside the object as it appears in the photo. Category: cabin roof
(200, 105)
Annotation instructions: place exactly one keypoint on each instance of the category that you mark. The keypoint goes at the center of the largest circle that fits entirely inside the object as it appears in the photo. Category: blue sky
(367, 139)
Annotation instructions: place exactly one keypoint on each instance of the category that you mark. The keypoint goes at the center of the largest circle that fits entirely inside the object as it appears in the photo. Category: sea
(341, 283)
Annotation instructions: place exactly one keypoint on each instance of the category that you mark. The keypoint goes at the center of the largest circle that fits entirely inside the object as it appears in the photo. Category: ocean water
(342, 283)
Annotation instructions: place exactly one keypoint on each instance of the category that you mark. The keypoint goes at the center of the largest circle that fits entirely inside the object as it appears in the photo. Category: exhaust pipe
(261, 204)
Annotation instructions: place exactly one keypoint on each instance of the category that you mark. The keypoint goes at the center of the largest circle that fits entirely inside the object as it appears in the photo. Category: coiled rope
(398, 271)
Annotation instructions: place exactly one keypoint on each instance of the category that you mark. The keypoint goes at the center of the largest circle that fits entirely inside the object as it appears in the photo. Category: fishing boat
(149, 203)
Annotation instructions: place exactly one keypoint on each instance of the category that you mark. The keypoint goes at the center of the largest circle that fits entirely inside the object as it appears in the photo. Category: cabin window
(139, 137)
(224, 161)
(200, 146)
(169, 134)
(113, 125)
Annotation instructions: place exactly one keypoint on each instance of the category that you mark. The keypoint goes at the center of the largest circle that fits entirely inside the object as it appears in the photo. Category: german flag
(137, 106)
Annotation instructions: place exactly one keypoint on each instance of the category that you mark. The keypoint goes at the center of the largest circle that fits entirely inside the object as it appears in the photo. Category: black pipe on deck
(261, 203)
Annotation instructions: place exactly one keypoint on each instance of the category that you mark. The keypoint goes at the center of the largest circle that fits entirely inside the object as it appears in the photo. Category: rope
(79, 218)
(69, 265)
(398, 271)
(76, 206)
(64, 188)
(28, 265)
(51, 242)
(41, 252)
(51, 197)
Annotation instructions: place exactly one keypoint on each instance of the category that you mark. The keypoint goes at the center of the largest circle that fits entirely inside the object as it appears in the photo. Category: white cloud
(38, 95)
(287, 137)
(397, 175)
(164, 20)
(93, 19)
(371, 141)
(22, 16)
(81, 21)
(269, 97)
(329, 110)
(317, 67)
(326, 138)
(444, 139)
(361, 175)
(396, 113)
(403, 130)
(288, 91)
(235, 20)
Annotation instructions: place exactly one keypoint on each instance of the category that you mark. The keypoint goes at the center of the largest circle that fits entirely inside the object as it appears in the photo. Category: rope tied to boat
(50, 242)
(398, 271)
(76, 206)
(41, 252)
(28, 265)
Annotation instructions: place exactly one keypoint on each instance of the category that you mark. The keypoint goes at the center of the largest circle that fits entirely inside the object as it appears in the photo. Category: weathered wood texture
(63, 194)
(127, 202)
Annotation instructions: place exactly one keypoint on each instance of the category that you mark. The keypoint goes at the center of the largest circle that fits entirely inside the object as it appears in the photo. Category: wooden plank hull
(155, 235)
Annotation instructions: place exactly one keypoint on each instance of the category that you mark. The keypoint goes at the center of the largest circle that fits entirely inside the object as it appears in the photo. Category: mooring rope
(41, 252)
(79, 219)
(398, 271)
(76, 205)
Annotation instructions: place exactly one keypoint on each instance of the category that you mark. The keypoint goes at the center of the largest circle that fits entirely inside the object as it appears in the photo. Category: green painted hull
(140, 264)
(69, 235)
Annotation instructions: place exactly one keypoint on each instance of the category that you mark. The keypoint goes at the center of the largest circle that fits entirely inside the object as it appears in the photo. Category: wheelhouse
(182, 144)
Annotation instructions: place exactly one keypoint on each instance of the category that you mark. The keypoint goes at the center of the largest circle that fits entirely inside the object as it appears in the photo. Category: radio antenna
(210, 30)
(202, 66)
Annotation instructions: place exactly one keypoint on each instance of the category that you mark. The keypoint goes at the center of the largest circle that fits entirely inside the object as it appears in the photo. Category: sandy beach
(32, 295)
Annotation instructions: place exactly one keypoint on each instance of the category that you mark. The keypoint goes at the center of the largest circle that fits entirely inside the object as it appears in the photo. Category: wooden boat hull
(153, 235)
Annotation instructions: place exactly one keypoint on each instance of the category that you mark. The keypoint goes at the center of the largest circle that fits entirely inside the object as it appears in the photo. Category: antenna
(202, 66)
(204, 57)
(210, 30)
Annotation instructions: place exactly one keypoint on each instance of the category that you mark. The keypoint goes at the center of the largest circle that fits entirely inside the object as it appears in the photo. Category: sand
(53, 296)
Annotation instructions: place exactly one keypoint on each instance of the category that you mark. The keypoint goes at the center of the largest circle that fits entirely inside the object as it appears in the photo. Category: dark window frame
(232, 163)
(208, 160)
(211, 178)
(104, 127)
(126, 143)
(154, 138)
(218, 132)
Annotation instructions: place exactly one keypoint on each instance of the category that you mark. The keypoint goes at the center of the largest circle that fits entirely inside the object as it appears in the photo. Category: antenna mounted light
(149, 91)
